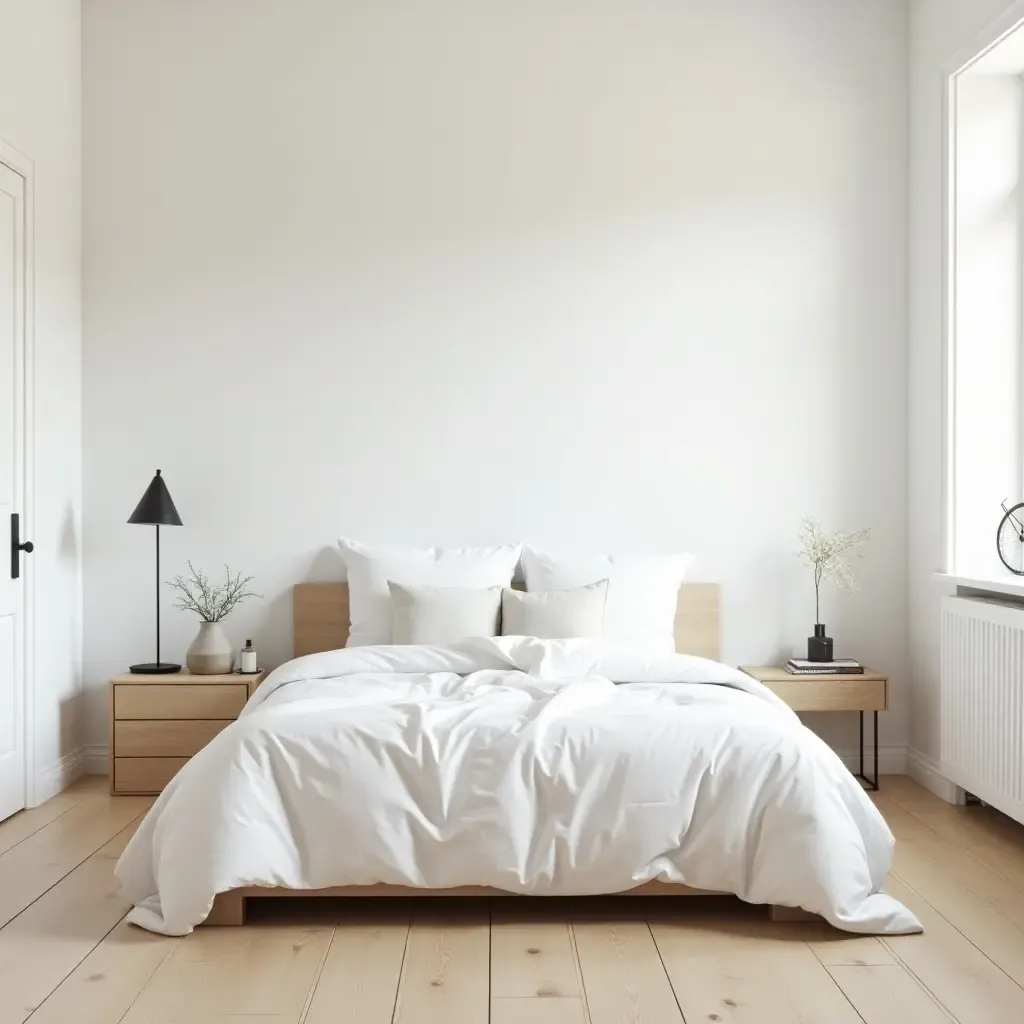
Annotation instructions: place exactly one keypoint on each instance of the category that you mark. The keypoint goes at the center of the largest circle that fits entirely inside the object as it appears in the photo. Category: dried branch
(211, 603)
(829, 554)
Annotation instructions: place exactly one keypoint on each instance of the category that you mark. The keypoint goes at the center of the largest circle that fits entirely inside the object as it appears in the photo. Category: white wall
(613, 275)
(939, 29)
(40, 115)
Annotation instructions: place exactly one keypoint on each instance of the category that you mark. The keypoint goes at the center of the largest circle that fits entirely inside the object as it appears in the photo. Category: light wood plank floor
(68, 957)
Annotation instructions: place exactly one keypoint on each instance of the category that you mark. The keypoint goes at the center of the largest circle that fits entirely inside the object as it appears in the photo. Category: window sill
(1012, 585)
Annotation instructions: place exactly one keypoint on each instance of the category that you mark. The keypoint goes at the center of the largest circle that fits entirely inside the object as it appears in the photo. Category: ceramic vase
(211, 652)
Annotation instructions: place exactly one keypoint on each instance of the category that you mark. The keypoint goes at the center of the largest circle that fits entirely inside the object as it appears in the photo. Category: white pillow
(555, 614)
(442, 615)
(369, 568)
(643, 591)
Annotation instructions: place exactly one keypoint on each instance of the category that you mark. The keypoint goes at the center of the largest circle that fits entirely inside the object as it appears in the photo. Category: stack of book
(842, 667)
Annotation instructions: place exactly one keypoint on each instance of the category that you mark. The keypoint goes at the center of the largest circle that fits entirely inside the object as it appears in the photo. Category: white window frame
(1007, 23)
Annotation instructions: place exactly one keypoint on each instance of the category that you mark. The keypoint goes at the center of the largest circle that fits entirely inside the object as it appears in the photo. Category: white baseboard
(96, 758)
(892, 760)
(56, 777)
(924, 771)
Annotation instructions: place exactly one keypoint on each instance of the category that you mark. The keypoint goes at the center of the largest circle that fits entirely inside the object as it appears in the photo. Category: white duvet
(520, 764)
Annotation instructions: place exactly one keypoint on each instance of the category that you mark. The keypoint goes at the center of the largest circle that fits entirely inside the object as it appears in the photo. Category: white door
(12, 481)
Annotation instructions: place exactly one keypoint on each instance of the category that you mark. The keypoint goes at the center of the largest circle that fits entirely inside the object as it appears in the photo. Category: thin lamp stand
(158, 593)
(156, 509)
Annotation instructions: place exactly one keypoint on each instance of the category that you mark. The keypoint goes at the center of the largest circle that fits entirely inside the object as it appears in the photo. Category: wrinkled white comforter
(515, 763)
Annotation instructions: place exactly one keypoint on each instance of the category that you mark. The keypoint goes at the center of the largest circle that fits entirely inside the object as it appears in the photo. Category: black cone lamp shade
(156, 509)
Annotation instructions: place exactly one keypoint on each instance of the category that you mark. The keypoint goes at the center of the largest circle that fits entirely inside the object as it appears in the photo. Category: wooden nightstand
(860, 693)
(158, 722)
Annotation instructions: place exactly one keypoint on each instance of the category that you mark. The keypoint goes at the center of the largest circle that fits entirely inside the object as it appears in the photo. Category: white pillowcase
(369, 568)
(643, 591)
(442, 615)
(555, 614)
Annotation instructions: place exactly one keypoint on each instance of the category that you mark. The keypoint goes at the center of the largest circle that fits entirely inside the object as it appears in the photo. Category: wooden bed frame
(320, 622)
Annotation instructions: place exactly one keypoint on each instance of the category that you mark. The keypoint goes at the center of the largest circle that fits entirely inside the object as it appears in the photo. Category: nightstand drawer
(179, 700)
(145, 774)
(164, 738)
(832, 694)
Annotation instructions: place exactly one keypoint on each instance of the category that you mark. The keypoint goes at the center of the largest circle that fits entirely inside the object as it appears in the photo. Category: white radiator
(982, 693)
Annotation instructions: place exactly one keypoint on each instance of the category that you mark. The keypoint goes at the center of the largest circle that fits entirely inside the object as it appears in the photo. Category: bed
(320, 619)
(189, 863)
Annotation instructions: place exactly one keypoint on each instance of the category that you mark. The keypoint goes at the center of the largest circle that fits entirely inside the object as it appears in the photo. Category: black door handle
(17, 546)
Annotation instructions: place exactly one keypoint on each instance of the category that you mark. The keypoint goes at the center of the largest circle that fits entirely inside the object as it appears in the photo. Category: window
(987, 368)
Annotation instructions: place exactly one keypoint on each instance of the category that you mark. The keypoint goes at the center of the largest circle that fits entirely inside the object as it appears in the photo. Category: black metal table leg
(875, 713)
(871, 783)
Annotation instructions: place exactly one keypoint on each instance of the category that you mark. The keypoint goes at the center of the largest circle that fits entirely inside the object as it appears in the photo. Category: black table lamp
(156, 509)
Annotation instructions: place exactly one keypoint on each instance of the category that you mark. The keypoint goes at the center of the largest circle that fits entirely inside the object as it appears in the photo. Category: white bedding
(515, 763)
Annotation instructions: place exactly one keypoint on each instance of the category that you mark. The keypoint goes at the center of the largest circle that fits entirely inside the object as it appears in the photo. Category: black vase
(819, 646)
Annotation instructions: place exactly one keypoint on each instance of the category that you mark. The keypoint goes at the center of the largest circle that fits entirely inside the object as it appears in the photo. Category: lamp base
(156, 668)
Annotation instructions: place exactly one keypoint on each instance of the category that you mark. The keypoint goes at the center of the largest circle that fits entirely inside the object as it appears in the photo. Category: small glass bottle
(248, 663)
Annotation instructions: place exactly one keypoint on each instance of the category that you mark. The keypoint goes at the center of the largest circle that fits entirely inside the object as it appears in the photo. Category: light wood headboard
(320, 618)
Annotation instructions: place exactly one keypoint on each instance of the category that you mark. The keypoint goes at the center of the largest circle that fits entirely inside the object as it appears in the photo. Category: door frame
(22, 165)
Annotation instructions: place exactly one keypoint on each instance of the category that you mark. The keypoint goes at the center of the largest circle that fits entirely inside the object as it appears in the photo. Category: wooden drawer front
(164, 738)
(145, 774)
(180, 700)
(833, 694)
